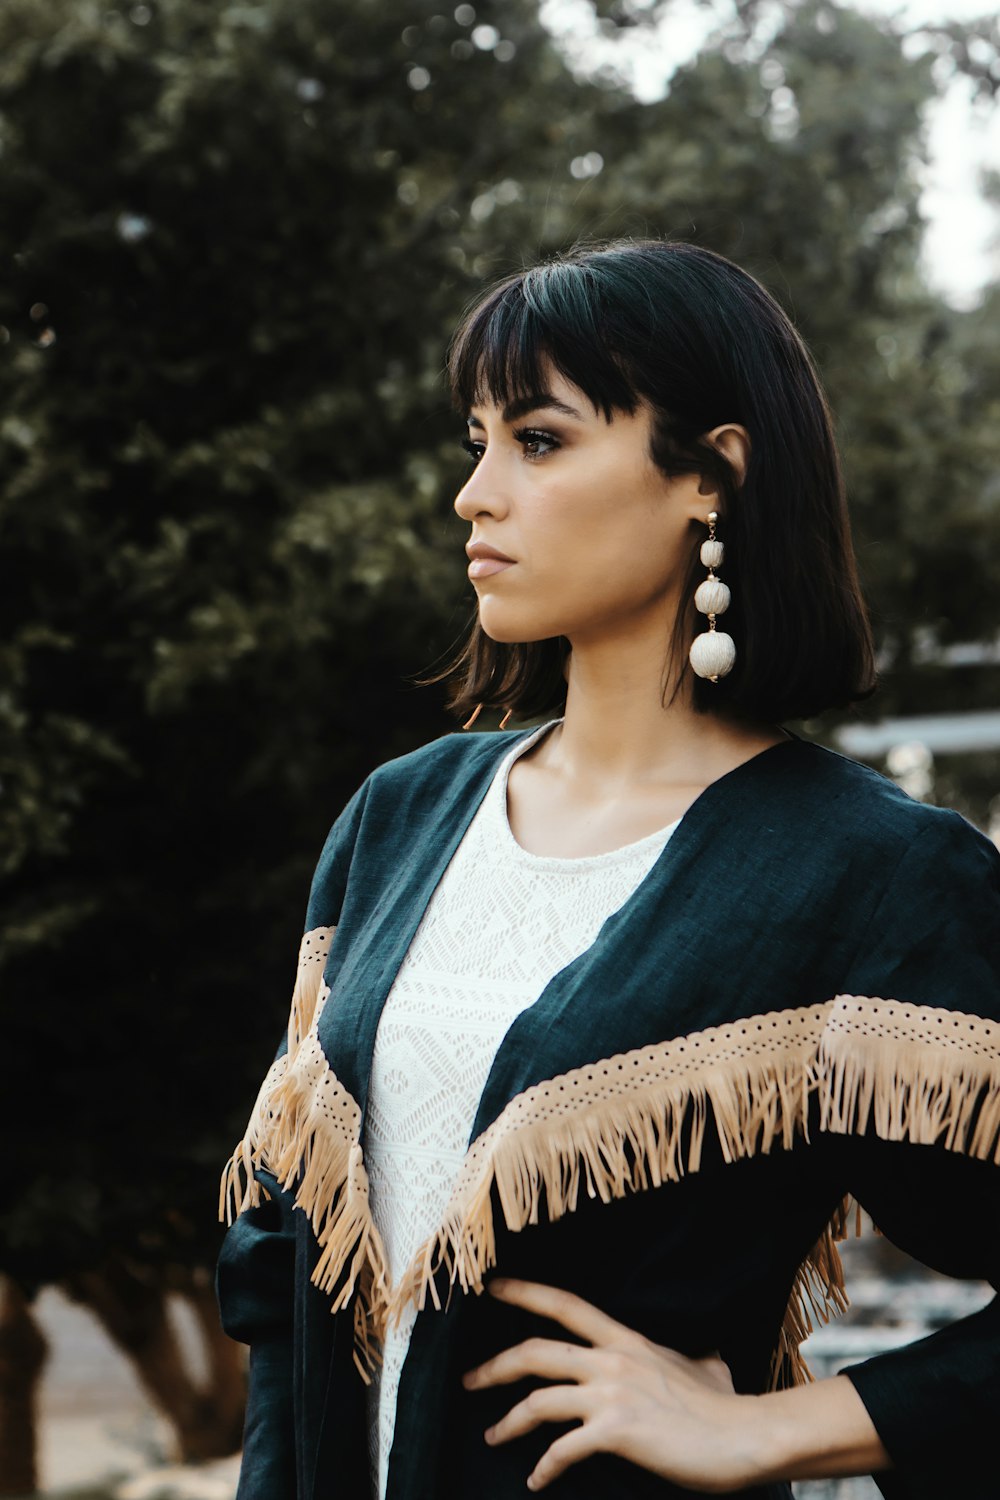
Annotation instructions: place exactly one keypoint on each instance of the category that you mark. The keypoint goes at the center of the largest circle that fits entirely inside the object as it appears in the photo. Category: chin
(507, 628)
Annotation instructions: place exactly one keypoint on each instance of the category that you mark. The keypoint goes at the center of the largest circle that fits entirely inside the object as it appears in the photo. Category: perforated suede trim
(917, 1073)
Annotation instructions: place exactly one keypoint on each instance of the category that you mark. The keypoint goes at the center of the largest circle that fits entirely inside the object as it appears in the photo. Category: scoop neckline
(649, 841)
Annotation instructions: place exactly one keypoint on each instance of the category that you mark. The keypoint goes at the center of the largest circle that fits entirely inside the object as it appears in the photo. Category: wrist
(776, 1440)
(819, 1431)
(770, 1441)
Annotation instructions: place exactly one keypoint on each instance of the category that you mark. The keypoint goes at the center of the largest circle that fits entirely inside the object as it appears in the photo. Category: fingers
(565, 1451)
(551, 1403)
(576, 1315)
(547, 1358)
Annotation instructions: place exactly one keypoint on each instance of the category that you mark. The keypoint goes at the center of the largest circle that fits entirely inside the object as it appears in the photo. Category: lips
(482, 567)
(483, 549)
(487, 560)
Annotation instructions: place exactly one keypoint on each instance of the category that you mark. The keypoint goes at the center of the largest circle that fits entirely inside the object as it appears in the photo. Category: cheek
(593, 539)
(611, 531)
(584, 509)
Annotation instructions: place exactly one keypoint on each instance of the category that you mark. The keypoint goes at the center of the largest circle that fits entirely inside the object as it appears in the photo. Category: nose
(482, 494)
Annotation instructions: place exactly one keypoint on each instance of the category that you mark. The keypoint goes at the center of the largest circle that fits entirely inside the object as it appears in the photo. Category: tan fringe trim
(818, 1292)
(239, 1189)
(615, 1127)
(917, 1073)
(305, 1128)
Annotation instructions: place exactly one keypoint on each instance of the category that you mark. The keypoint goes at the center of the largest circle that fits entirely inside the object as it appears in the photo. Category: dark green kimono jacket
(799, 1003)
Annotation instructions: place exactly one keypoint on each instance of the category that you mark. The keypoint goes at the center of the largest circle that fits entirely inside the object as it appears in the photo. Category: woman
(627, 1005)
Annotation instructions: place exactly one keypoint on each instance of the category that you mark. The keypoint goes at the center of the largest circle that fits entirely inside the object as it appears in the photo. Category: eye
(531, 437)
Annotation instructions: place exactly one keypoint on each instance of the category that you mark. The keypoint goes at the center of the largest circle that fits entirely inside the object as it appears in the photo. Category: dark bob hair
(703, 343)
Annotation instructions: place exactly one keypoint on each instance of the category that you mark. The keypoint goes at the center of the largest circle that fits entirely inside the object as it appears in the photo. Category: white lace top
(501, 923)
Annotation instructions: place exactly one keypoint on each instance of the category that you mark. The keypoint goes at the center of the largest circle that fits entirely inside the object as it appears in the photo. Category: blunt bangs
(551, 314)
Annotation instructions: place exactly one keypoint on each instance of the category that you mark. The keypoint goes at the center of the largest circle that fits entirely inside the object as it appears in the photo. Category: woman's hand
(677, 1417)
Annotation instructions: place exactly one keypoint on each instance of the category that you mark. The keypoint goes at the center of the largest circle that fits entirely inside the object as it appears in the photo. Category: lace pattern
(501, 923)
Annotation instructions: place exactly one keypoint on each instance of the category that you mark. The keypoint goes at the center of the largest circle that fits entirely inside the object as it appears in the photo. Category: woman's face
(600, 538)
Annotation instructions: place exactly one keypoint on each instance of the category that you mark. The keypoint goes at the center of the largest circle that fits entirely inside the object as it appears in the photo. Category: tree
(234, 238)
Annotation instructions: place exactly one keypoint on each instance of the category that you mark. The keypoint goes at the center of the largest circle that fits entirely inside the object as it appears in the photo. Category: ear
(733, 442)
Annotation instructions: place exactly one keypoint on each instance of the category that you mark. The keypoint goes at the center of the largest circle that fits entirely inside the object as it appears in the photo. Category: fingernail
(488, 1434)
(532, 1482)
(498, 1284)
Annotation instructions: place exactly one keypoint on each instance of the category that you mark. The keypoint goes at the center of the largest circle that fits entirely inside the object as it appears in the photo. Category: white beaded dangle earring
(713, 652)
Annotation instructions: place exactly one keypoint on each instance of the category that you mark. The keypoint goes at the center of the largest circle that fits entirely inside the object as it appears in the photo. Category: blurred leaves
(234, 239)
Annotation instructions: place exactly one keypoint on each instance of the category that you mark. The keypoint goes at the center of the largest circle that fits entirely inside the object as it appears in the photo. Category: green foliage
(233, 241)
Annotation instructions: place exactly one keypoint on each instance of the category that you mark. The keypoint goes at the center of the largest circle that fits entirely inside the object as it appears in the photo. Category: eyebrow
(520, 407)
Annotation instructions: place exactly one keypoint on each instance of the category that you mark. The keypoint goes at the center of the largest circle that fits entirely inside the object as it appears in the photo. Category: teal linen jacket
(799, 1004)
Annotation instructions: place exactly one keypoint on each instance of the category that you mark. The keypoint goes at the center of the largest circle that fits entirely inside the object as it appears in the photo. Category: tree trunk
(23, 1351)
(132, 1308)
(226, 1371)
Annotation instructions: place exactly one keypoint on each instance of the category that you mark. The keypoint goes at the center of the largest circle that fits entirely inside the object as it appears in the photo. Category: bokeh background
(234, 238)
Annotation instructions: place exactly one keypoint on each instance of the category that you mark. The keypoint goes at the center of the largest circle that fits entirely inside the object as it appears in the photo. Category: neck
(617, 733)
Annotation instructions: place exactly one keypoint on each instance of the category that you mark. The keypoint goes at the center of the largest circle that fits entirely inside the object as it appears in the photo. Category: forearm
(817, 1431)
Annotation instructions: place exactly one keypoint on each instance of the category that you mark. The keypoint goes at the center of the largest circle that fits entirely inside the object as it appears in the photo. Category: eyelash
(521, 435)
